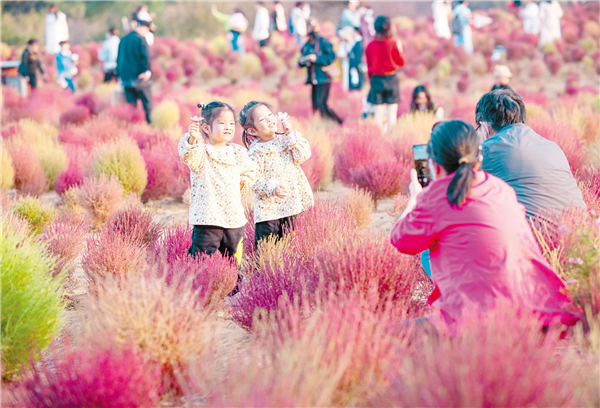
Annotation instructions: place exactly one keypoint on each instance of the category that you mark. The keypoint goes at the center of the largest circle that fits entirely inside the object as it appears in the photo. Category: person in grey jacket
(534, 166)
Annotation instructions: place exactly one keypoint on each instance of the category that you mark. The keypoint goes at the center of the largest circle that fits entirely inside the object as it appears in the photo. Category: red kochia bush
(174, 243)
(91, 377)
(523, 367)
(72, 176)
(167, 175)
(66, 239)
(565, 136)
(91, 101)
(30, 177)
(366, 159)
(371, 267)
(127, 112)
(314, 168)
(75, 116)
(135, 223)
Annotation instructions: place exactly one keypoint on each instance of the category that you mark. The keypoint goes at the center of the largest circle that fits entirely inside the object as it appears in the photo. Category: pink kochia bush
(135, 223)
(66, 239)
(366, 159)
(87, 376)
(174, 242)
(72, 176)
(522, 367)
(167, 175)
(30, 177)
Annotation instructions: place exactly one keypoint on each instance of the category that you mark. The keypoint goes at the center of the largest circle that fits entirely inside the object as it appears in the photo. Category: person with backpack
(461, 26)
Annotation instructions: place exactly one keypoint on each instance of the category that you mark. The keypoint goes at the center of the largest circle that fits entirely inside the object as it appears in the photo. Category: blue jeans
(425, 262)
(234, 40)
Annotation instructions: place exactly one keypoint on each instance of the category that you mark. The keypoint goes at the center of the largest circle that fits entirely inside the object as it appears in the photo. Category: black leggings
(320, 95)
(208, 239)
(277, 228)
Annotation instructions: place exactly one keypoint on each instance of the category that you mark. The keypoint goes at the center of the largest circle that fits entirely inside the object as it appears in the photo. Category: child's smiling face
(222, 129)
(265, 123)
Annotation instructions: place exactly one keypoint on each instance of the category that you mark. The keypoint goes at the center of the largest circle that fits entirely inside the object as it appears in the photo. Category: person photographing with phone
(482, 249)
(317, 56)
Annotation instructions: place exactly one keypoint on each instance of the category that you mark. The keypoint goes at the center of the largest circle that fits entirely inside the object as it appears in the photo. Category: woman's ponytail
(455, 146)
(460, 185)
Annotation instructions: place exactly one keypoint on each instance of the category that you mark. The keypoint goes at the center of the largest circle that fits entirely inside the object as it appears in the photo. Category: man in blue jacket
(316, 54)
(535, 167)
(133, 67)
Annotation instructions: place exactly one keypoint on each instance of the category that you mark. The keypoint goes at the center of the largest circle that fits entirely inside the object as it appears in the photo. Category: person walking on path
(133, 67)
(108, 54)
(261, 24)
(57, 29)
(550, 14)
(461, 27)
(278, 21)
(30, 63)
(316, 54)
(441, 10)
(531, 18)
(384, 57)
(235, 25)
(65, 66)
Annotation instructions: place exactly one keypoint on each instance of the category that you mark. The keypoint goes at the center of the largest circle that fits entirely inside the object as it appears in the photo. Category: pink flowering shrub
(315, 168)
(111, 254)
(366, 159)
(167, 175)
(30, 177)
(477, 368)
(369, 266)
(174, 243)
(91, 101)
(135, 223)
(86, 376)
(72, 176)
(76, 115)
(65, 237)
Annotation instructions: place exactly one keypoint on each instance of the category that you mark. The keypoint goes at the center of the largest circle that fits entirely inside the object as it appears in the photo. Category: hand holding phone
(421, 155)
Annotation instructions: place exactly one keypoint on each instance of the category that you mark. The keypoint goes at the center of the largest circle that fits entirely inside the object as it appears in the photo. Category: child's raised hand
(284, 119)
(194, 129)
(280, 192)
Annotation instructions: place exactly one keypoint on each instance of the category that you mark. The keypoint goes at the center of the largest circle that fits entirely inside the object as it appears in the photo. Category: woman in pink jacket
(483, 251)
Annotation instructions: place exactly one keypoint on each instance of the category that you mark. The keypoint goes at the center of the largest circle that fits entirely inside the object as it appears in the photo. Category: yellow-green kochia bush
(31, 300)
(122, 159)
(36, 213)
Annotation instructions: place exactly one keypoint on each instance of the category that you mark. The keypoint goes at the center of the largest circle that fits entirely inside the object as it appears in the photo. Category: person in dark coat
(316, 54)
(30, 62)
(133, 67)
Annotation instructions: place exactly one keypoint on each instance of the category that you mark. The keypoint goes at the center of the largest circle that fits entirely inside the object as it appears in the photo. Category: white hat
(502, 71)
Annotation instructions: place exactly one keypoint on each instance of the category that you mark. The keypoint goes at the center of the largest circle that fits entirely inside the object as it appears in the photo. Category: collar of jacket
(278, 144)
(228, 157)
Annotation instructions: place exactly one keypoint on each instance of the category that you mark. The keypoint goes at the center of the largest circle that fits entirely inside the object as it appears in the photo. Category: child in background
(282, 190)
(65, 66)
(221, 174)
(421, 102)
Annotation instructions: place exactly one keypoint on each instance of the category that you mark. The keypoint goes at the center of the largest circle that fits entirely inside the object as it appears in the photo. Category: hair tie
(463, 160)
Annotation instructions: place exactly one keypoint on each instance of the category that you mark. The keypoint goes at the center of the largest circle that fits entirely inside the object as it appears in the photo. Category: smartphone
(421, 156)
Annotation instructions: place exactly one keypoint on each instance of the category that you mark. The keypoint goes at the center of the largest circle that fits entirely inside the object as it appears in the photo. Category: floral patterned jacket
(220, 177)
(279, 164)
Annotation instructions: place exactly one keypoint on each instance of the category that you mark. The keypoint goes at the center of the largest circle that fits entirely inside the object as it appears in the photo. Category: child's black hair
(212, 110)
(247, 120)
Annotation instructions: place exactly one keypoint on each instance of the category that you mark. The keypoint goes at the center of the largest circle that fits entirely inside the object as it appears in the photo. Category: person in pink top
(483, 251)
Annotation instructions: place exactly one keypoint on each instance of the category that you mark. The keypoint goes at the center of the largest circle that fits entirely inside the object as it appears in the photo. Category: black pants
(208, 239)
(320, 95)
(145, 94)
(110, 74)
(264, 43)
(278, 227)
(33, 80)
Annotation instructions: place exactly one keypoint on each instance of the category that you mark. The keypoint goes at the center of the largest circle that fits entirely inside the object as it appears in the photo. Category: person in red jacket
(483, 251)
(384, 57)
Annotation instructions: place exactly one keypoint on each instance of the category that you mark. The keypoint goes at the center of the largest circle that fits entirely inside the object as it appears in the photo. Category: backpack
(457, 25)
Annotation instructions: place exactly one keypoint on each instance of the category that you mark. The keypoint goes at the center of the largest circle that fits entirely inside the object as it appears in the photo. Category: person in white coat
(278, 21)
(261, 24)
(550, 14)
(57, 29)
(108, 54)
(441, 10)
(298, 20)
(531, 17)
